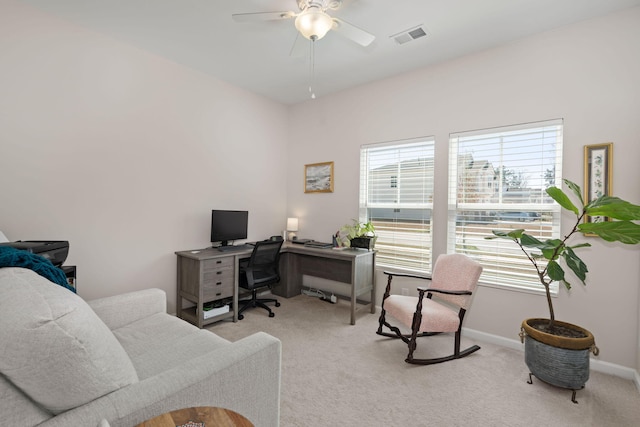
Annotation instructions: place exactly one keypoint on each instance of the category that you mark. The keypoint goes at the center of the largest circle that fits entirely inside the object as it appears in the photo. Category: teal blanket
(12, 257)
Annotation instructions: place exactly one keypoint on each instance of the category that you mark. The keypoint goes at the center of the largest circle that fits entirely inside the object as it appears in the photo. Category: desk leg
(353, 303)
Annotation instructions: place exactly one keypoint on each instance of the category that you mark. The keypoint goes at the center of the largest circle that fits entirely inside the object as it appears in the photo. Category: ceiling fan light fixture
(313, 23)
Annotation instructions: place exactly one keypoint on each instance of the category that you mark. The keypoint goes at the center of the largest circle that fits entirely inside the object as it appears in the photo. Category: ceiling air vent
(409, 35)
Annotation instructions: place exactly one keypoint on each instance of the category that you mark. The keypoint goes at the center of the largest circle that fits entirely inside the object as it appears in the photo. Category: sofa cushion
(55, 348)
(23, 411)
(161, 342)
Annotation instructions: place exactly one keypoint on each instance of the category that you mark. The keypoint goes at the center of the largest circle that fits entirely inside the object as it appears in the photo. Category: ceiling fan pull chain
(312, 67)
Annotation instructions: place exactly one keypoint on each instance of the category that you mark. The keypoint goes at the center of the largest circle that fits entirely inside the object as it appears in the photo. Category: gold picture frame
(318, 178)
(598, 175)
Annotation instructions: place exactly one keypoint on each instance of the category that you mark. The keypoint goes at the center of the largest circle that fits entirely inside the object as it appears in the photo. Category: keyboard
(236, 248)
(314, 244)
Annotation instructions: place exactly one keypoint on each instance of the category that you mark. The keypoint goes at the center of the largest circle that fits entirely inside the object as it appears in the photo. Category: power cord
(321, 295)
(332, 299)
(314, 293)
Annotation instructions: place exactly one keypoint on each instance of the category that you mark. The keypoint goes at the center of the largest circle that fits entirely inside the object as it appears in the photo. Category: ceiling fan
(313, 21)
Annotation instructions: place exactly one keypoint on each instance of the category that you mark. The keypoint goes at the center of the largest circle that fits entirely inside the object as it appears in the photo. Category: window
(497, 180)
(396, 195)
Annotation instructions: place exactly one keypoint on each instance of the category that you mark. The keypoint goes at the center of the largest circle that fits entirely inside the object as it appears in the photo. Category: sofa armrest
(120, 310)
(243, 376)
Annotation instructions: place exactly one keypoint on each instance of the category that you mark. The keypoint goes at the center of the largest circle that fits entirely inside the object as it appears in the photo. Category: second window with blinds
(497, 180)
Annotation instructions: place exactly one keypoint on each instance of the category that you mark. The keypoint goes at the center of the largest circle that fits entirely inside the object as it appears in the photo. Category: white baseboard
(596, 365)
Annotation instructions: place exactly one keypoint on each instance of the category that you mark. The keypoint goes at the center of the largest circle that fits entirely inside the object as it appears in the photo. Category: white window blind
(396, 195)
(497, 180)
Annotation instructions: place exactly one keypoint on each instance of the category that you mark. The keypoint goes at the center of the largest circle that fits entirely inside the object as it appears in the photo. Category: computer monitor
(228, 225)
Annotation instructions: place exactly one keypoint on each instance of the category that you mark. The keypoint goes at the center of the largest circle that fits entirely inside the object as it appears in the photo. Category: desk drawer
(215, 276)
(217, 263)
(217, 290)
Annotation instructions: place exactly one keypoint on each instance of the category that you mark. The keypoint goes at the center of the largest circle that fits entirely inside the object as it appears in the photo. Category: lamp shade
(292, 224)
(313, 24)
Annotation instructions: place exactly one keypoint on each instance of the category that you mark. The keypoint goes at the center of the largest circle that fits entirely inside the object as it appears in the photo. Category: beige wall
(586, 73)
(124, 154)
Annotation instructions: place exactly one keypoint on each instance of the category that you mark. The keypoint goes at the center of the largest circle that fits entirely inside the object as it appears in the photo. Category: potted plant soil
(558, 352)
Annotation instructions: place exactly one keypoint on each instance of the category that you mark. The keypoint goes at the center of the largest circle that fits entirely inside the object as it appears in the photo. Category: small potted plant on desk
(360, 234)
(558, 352)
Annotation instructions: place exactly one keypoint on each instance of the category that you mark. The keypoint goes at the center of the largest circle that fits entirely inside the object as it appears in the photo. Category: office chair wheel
(277, 304)
(271, 314)
(240, 316)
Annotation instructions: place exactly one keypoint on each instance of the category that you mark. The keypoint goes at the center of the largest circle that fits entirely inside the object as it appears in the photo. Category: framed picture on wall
(318, 178)
(598, 173)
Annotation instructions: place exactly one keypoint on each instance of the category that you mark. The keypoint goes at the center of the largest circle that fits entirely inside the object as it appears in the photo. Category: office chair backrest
(266, 254)
(456, 272)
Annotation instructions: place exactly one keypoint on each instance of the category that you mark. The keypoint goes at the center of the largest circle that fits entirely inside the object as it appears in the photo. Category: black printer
(55, 251)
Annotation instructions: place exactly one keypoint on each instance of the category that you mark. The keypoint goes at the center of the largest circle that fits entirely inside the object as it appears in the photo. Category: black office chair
(260, 271)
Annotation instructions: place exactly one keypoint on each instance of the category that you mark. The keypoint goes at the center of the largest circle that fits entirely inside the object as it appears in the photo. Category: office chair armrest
(248, 272)
(443, 291)
(412, 276)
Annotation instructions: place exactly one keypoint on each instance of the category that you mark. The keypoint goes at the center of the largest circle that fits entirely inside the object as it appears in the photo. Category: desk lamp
(292, 227)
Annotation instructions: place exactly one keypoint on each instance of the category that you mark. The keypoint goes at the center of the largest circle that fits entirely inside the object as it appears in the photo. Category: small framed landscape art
(598, 173)
(318, 178)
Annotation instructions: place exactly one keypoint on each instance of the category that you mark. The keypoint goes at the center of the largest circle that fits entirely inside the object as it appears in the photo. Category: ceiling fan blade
(352, 32)
(262, 16)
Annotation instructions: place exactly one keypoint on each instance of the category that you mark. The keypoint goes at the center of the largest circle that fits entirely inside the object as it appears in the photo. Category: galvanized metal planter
(559, 361)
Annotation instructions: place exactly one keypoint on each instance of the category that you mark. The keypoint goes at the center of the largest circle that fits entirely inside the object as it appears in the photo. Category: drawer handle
(218, 294)
(218, 283)
(219, 262)
(218, 272)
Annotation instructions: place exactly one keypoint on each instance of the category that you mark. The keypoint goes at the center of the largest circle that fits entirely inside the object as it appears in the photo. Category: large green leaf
(580, 245)
(511, 235)
(550, 249)
(575, 188)
(549, 254)
(530, 241)
(576, 265)
(613, 207)
(554, 271)
(613, 231)
(559, 196)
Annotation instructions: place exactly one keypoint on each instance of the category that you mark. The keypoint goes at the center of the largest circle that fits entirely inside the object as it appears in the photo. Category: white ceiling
(201, 34)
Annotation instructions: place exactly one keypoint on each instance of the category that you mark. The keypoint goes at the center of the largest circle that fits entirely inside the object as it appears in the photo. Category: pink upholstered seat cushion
(435, 317)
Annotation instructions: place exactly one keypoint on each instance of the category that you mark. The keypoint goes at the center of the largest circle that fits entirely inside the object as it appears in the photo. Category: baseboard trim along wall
(596, 365)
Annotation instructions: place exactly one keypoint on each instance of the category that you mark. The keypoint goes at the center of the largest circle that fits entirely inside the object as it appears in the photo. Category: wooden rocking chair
(453, 282)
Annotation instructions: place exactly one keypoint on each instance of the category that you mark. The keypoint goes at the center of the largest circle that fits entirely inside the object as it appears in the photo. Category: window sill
(521, 289)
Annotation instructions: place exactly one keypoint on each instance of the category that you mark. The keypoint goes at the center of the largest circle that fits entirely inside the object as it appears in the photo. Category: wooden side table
(208, 416)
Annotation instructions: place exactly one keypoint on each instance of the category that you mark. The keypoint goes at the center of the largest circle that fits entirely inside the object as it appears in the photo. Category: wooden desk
(210, 275)
(355, 267)
(207, 415)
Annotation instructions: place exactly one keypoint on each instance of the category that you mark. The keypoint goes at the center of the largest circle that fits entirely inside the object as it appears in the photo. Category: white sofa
(123, 359)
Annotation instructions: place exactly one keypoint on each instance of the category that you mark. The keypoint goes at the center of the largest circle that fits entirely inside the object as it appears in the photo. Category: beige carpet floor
(336, 374)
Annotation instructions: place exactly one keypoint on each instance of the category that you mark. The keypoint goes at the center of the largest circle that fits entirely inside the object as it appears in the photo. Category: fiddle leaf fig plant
(623, 230)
